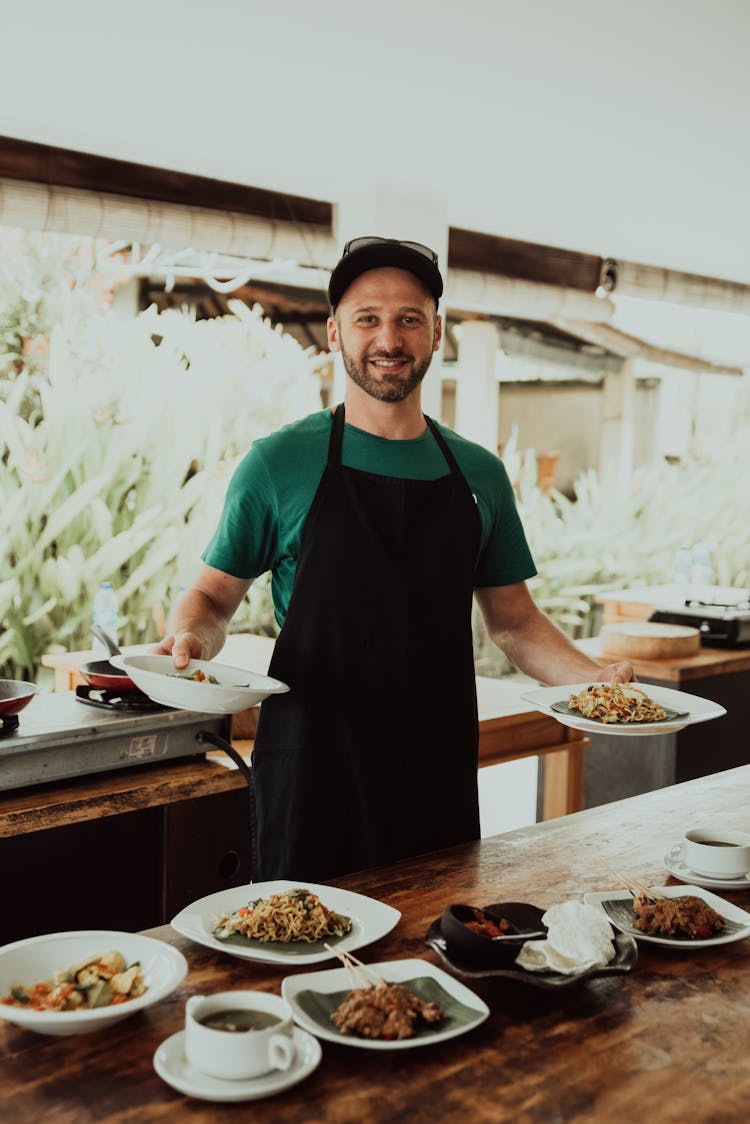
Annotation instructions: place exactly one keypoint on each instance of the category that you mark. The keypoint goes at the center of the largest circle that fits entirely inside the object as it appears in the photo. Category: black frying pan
(102, 674)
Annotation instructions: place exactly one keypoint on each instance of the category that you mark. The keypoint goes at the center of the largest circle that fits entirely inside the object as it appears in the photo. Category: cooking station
(111, 816)
(723, 621)
(85, 732)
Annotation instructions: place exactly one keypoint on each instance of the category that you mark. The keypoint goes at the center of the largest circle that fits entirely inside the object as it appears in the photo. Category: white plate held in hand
(236, 689)
(686, 710)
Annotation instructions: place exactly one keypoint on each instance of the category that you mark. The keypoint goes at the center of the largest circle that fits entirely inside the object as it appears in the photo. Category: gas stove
(721, 615)
(64, 735)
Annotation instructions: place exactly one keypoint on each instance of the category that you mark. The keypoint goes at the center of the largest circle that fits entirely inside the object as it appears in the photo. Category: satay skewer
(356, 969)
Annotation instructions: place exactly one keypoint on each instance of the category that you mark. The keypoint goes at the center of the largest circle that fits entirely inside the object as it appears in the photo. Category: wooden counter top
(665, 1043)
(705, 664)
(42, 807)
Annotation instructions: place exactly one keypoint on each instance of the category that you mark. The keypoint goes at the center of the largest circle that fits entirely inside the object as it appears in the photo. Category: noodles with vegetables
(615, 702)
(294, 915)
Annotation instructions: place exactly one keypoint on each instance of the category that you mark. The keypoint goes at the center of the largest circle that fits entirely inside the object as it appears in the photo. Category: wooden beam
(550, 265)
(63, 167)
(630, 347)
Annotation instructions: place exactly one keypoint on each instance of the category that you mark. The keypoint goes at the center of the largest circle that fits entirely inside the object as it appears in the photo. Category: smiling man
(378, 525)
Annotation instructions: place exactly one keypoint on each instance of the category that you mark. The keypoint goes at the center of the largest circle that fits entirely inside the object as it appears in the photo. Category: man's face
(387, 329)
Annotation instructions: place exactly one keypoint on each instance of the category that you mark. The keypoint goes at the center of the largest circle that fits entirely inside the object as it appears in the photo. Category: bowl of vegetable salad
(80, 981)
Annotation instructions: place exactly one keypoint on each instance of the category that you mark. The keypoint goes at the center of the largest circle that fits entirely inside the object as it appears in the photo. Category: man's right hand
(183, 647)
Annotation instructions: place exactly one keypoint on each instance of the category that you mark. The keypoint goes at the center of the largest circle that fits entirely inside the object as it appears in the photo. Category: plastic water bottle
(701, 574)
(106, 615)
(682, 567)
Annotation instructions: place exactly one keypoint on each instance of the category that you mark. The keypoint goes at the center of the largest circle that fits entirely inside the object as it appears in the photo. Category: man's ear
(438, 332)
(333, 334)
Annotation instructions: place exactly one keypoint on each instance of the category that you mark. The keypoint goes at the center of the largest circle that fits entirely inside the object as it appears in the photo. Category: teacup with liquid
(236, 1035)
(714, 852)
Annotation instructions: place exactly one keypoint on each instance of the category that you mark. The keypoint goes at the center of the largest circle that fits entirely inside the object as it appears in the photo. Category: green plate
(319, 1006)
(620, 912)
(283, 948)
(563, 708)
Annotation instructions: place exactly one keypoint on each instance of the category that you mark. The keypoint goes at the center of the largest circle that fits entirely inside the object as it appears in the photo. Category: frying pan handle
(106, 639)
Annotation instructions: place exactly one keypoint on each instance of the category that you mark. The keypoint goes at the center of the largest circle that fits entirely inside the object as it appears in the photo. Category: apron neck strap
(336, 440)
(443, 446)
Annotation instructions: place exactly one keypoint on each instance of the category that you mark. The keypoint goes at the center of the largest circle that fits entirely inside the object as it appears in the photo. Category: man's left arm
(534, 644)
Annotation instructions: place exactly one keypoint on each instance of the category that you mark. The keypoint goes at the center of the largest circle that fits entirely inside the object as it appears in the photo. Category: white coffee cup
(715, 852)
(239, 1054)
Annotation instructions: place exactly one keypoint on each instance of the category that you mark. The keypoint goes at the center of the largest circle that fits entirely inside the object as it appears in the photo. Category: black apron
(372, 755)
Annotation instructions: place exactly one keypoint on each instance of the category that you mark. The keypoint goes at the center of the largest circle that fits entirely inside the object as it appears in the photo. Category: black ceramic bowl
(525, 923)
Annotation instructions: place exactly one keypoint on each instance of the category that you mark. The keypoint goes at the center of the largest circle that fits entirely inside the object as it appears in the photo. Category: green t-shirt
(273, 487)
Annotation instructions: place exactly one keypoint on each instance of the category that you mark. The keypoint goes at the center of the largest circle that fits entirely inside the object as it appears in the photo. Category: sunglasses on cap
(373, 240)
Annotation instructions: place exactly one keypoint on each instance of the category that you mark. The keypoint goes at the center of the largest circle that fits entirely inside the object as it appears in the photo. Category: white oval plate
(371, 920)
(174, 1068)
(236, 690)
(694, 707)
(730, 912)
(679, 870)
(30, 961)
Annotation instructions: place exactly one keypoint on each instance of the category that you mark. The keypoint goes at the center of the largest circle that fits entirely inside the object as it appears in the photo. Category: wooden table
(508, 728)
(665, 1043)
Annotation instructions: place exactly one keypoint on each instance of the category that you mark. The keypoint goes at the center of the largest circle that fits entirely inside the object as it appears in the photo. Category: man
(378, 526)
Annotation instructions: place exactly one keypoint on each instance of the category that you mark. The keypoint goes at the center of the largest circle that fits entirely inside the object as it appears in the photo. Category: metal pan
(102, 674)
(15, 695)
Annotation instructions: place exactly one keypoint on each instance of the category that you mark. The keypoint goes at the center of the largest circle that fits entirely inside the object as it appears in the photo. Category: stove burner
(9, 723)
(130, 702)
(742, 606)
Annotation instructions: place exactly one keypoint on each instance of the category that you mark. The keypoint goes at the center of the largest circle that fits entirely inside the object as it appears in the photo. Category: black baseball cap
(372, 252)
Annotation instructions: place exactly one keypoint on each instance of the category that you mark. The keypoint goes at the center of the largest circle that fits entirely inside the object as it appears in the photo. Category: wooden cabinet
(123, 851)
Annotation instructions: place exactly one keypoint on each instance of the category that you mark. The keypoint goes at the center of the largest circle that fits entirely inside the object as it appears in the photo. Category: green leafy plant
(115, 458)
(607, 539)
(118, 438)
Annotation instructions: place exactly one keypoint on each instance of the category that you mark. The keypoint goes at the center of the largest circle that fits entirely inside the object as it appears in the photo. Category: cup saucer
(174, 1068)
(678, 868)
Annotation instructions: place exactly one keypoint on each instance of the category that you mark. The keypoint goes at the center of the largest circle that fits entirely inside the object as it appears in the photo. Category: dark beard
(395, 390)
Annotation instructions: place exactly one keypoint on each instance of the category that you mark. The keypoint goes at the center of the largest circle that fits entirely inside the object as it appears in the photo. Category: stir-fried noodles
(617, 702)
(295, 915)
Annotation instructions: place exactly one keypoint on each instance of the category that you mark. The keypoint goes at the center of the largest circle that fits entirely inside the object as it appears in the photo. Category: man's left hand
(617, 673)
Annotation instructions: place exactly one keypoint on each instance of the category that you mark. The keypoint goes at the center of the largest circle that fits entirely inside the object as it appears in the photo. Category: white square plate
(690, 709)
(739, 920)
(471, 1012)
(371, 920)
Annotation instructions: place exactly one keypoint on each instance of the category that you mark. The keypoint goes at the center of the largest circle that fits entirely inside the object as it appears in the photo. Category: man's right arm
(197, 627)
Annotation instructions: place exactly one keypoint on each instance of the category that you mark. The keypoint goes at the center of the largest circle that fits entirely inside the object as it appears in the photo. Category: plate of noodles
(623, 708)
(282, 922)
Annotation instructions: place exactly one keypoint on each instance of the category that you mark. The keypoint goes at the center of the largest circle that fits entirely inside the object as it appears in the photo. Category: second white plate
(371, 920)
(307, 995)
(690, 708)
(611, 901)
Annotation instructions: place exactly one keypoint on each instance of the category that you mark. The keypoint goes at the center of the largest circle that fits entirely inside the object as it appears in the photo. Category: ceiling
(611, 129)
(581, 130)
